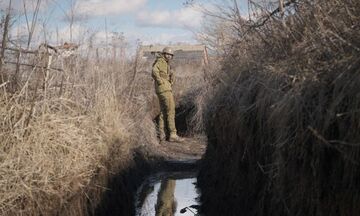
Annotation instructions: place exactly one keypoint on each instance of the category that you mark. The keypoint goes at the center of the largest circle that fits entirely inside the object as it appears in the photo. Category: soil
(190, 149)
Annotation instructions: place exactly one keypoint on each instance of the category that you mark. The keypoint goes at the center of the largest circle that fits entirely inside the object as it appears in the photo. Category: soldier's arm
(156, 73)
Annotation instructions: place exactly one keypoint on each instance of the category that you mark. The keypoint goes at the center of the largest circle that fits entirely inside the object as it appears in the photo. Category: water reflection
(166, 195)
(166, 204)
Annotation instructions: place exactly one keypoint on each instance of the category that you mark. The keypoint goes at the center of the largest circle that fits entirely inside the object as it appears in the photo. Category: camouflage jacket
(162, 75)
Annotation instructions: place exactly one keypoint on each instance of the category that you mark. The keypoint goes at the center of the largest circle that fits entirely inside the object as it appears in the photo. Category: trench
(152, 183)
(136, 191)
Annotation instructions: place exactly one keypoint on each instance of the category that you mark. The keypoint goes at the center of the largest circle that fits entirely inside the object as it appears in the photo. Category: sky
(147, 21)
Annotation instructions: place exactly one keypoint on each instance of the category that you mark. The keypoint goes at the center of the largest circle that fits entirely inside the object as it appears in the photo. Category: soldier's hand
(172, 77)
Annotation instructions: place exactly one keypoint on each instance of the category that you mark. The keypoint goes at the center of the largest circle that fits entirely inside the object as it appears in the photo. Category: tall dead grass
(58, 133)
(283, 119)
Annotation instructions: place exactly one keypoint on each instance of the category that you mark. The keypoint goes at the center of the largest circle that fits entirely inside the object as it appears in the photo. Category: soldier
(164, 80)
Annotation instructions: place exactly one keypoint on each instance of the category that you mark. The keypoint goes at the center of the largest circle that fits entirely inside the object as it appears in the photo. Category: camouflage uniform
(163, 86)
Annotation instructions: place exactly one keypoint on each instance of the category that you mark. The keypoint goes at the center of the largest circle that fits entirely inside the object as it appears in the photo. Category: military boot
(175, 138)
(162, 137)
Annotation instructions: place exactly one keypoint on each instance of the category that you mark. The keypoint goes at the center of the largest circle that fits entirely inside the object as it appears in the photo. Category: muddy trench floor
(192, 149)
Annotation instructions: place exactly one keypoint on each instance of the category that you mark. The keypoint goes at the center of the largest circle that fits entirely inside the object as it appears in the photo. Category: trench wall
(282, 120)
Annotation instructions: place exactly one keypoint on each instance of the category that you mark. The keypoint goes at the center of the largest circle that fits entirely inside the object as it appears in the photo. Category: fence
(22, 67)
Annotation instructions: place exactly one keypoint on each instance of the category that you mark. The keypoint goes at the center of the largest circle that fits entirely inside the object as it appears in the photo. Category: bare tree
(70, 17)
(31, 24)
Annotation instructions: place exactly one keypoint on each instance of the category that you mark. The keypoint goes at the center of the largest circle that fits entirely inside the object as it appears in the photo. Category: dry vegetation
(68, 128)
(282, 115)
(63, 134)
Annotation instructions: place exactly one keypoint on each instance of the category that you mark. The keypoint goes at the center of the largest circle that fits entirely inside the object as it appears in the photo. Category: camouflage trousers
(167, 113)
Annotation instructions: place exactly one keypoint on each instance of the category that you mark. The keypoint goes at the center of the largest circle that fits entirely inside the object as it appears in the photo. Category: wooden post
(206, 62)
(4, 42)
(206, 56)
(132, 82)
(15, 79)
(281, 7)
(47, 71)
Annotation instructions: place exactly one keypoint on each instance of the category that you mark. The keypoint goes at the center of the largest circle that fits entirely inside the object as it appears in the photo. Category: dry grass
(283, 119)
(55, 139)
(65, 134)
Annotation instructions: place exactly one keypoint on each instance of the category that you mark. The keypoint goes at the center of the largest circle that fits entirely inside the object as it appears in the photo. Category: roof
(184, 48)
(181, 52)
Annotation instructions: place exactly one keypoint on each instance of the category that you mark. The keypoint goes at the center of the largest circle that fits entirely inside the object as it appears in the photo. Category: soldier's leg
(161, 131)
(168, 109)
(171, 114)
(161, 123)
(167, 100)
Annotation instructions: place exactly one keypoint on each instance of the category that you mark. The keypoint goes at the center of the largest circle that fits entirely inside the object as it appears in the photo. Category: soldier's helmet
(168, 50)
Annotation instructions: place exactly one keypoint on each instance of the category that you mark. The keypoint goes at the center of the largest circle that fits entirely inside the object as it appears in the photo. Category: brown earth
(191, 149)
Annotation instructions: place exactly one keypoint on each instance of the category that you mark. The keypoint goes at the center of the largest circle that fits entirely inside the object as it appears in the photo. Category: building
(183, 54)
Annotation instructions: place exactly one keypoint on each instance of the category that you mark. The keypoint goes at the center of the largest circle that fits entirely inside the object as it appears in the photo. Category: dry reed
(283, 119)
(58, 133)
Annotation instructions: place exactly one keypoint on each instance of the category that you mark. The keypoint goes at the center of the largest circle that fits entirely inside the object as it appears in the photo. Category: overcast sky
(150, 21)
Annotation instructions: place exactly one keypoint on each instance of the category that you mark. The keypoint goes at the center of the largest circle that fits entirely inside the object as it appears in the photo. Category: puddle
(168, 194)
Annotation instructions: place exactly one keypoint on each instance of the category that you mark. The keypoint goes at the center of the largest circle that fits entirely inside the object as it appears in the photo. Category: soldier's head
(168, 53)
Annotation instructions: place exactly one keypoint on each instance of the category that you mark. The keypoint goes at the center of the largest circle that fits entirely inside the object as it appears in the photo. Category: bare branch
(274, 12)
(31, 26)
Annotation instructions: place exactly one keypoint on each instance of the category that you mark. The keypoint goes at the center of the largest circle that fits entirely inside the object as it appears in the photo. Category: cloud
(52, 34)
(108, 7)
(187, 17)
(19, 34)
(167, 38)
(78, 34)
(17, 6)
